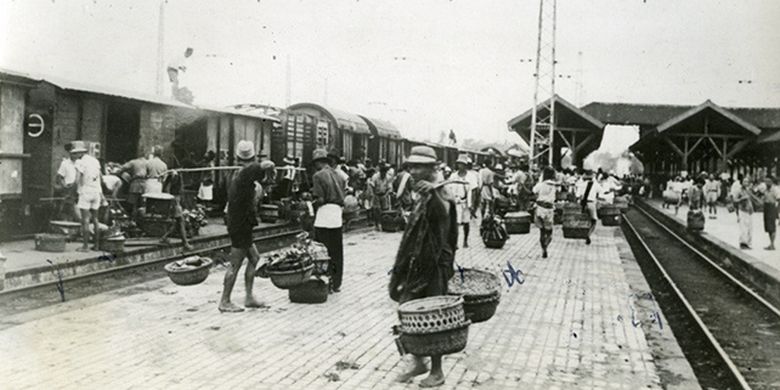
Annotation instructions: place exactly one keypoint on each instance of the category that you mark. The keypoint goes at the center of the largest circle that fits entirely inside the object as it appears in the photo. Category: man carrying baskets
(241, 220)
(424, 262)
(588, 191)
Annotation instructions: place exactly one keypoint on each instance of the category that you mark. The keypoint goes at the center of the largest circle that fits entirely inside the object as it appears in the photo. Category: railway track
(729, 334)
(45, 294)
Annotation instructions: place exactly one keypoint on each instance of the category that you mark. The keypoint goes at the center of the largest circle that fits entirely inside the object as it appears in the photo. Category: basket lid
(423, 305)
(474, 282)
(158, 196)
(517, 214)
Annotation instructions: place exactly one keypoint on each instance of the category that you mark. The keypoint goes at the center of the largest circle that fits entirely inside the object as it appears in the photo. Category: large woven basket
(432, 314)
(695, 220)
(320, 257)
(290, 278)
(311, 291)
(607, 210)
(518, 222)
(576, 232)
(434, 344)
(187, 276)
(481, 292)
(494, 244)
(159, 204)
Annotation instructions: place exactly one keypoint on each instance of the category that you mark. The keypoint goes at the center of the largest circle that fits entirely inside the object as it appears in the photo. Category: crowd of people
(743, 195)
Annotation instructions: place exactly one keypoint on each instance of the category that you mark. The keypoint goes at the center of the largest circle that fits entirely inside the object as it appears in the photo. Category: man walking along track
(426, 254)
(241, 221)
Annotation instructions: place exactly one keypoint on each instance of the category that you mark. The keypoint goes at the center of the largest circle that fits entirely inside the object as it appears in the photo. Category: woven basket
(611, 220)
(311, 291)
(473, 284)
(606, 210)
(481, 309)
(576, 232)
(290, 278)
(189, 276)
(434, 344)
(159, 204)
(71, 229)
(46, 242)
(495, 244)
(518, 222)
(695, 220)
(113, 244)
(431, 315)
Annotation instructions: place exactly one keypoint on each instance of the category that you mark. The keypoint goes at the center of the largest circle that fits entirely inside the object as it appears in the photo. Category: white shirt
(546, 191)
(68, 171)
(582, 185)
(328, 216)
(111, 182)
(89, 168)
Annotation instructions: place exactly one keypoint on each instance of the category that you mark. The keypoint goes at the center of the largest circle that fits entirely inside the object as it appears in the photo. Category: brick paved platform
(581, 319)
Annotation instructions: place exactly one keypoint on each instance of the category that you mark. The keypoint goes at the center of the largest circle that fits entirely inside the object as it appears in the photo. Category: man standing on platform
(486, 177)
(241, 220)
(65, 184)
(135, 172)
(424, 262)
(461, 192)
(155, 167)
(328, 188)
(89, 180)
(744, 206)
(588, 191)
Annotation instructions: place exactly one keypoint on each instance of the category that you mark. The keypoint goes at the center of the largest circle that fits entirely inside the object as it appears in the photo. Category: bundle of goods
(493, 232)
(113, 240)
(319, 256)
(290, 268)
(46, 242)
(609, 214)
(189, 271)
(432, 326)
(392, 221)
(576, 223)
(480, 290)
(622, 202)
(518, 222)
(268, 213)
(194, 219)
(695, 220)
(671, 196)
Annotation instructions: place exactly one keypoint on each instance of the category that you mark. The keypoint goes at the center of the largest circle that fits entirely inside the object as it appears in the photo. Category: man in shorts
(66, 187)
(241, 220)
(544, 215)
(88, 179)
(588, 191)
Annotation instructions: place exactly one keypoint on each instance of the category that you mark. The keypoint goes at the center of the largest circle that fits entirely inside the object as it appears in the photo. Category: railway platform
(582, 318)
(720, 238)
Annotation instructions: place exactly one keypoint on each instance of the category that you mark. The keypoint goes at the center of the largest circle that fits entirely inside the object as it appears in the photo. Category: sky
(426, 65)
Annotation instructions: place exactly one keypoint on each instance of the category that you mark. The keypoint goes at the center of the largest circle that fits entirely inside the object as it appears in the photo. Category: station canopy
(575, 129)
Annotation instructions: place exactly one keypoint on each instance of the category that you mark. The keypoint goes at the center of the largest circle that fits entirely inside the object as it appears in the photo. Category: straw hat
(424, 155)
(463, 159)
(78, 147)
(245, 150)
(320, 154)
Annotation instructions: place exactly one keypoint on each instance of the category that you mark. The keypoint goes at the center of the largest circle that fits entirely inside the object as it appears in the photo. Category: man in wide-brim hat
(424, 262)
(328, 188)
(241, 220)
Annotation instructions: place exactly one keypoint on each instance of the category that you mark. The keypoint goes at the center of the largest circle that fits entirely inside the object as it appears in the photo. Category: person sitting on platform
(424, 262)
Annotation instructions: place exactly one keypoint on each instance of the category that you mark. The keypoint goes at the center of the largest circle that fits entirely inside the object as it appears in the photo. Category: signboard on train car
(35, 125)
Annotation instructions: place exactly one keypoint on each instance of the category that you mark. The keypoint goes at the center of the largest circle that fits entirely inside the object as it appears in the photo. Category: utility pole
(160, 49)
(288, 84)
(543, 114)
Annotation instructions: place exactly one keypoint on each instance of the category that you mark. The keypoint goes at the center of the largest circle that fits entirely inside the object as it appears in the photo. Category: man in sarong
(423, 264)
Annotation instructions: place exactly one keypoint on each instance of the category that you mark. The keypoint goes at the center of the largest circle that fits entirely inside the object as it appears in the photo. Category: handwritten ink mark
(511, 275)
(460, 270)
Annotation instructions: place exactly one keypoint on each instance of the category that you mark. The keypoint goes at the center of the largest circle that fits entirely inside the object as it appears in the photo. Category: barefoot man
(241, 220)
(424, 261)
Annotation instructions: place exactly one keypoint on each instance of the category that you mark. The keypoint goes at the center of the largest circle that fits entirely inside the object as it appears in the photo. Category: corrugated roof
(708, 105)
(70, 85)
(655, 114)
(584, 117)
(382, 128)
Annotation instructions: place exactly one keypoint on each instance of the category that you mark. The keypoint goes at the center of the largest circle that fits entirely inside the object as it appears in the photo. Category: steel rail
(732, 367)
(725, 273)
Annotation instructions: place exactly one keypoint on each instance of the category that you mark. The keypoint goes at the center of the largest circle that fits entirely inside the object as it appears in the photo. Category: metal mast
(543, 114)
(160, 49)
